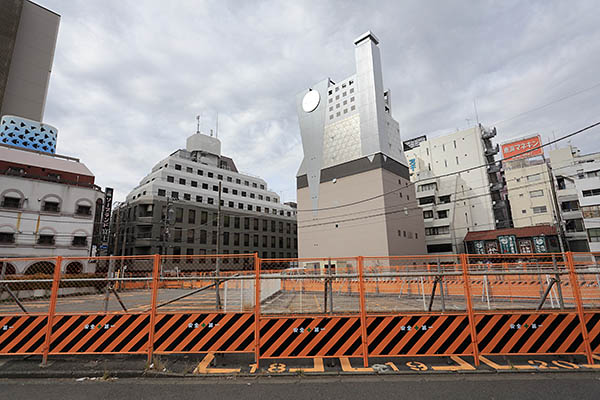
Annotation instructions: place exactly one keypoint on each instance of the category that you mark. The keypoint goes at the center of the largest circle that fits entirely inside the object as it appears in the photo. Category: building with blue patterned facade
(28, 134)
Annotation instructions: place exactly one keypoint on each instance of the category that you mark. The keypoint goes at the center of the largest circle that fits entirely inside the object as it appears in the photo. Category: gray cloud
(130, 76)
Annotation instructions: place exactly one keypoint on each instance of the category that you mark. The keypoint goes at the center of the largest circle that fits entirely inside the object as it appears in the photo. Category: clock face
(311, 101)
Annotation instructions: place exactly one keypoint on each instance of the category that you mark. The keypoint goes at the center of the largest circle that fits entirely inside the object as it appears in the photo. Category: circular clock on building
(311, 101)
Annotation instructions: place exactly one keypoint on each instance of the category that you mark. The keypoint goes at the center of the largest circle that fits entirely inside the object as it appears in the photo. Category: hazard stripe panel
(592, 322)
(184, 333)
(418, 335)
(22, 334)
(310, 337)
(112, 333)
(522, 333)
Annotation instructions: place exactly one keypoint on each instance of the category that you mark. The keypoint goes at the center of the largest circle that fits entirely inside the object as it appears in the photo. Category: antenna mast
(197, 123)
(217, 127)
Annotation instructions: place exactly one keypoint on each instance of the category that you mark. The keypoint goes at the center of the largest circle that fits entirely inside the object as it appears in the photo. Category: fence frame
(363, 314)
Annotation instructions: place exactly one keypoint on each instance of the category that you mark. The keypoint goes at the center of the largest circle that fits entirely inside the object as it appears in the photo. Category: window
(236, 222)
(187, 196)
(51, 206)
(7, 237)
(243, 194)
(11, 202)
(225, 190)
(236, 239)
(533, 178)
(194, 183)
(239, 182)
(427, 186)
(590, 211)
(241, 206)
(210, 174)
(255, 224)
(200, 172)
(202, 236)
(246, 239)
(231, 204)
(178, 167)
(539, 210)
(215, 188)
(445, 199)
(229, 179)
(47, 240)
(594, 234)
(192, 216)
(246, 223)
(591, 192)
(189, 169)
(252, 195)
(536, 193)
(210, 200)
(592, 174)
(246, 183)
(162, 192)
(178, 214)
(214, 237)
(205, 186)
(199, 199)
(83, 210)
(190, 236)
(170, 179)
(175, 195)
(220, 177)
(442, 214)
(437, 230)
(427, 200)
(225, 238)
(234, 191)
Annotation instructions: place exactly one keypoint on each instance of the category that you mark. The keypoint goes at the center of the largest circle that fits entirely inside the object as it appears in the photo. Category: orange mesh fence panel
(309, 286)
(412, 284)
(587, 270)
(592, 322)
(95, 285)
(521, 282)
(200, 284)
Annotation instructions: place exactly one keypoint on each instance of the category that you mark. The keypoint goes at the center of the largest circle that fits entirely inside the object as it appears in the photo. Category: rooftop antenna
(197, 123)
(217, 127)
(476, 114)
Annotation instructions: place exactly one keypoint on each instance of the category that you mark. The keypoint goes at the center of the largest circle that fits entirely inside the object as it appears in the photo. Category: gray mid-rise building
(253, 219)
(28, 35)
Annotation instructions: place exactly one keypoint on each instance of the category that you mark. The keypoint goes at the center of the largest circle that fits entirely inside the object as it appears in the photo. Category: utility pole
(557, 216)
(218, 250)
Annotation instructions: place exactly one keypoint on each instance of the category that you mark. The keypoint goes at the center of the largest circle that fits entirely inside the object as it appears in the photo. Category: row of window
(537, 210)
(231, 239)
(220, 177)
(235, 222)
(177, 251)
(408, 234)
(51, 206)
(428, 214)
(215, 188)
(437, 230)
(431, 200)
(591, 192)
(230, 204)
(43, 239)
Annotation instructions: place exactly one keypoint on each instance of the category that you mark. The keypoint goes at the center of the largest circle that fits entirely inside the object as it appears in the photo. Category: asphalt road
(448, 387)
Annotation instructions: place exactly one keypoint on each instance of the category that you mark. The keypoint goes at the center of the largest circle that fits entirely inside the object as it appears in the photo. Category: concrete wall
(10, 15)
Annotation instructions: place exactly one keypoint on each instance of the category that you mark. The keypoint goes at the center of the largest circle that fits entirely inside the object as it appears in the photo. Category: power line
(452, 173)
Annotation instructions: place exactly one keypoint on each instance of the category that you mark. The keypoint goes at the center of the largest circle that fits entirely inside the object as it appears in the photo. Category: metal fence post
(256, 310)
(467, 283)
(363, 311)
(52, 308)
(155, 271)
(578, 301)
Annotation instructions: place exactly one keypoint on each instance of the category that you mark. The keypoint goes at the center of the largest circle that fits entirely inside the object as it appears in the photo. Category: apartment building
(455, 190)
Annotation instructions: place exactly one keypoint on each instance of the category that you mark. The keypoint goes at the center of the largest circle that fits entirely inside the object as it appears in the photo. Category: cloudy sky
(129, 77)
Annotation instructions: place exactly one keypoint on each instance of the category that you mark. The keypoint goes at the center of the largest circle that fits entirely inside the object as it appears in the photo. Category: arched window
(12, 198)
(40, 268)
(8, 269)
(74, 267)
(83, 208)
(51, 203)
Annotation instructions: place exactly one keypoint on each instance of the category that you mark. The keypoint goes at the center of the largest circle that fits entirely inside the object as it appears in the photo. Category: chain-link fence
(587, 271)
(25, 285)
(302, 286)
(206, 283)
(425, 283)
(520, 282)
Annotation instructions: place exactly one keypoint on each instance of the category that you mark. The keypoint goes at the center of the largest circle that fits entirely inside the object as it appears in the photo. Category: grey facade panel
(362, 165)
(10, 15)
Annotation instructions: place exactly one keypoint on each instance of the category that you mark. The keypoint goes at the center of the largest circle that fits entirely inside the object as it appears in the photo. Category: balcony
(488, 133)
(495, 187)
(571, 214)
(492, 169)
(492, 151)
